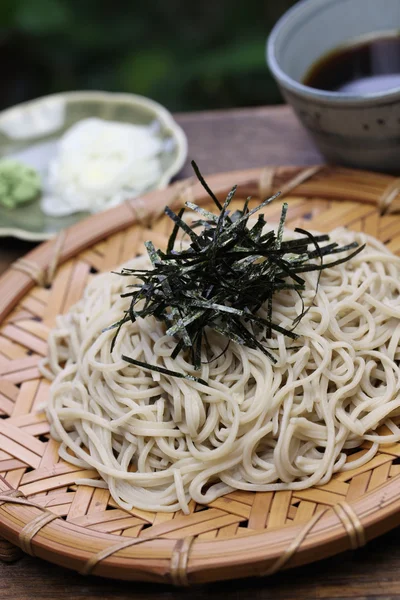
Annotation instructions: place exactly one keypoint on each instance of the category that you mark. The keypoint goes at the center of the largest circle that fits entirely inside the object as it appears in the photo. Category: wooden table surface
(223, 141)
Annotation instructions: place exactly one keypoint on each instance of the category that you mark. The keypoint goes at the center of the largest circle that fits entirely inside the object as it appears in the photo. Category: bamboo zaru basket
(241, 534)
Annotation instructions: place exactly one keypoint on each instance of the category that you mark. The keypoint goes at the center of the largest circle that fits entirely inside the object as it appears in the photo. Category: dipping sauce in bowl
(337, 63)
(364, 65)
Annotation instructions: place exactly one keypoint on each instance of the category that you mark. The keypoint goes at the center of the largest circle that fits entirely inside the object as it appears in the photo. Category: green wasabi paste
(18, 183)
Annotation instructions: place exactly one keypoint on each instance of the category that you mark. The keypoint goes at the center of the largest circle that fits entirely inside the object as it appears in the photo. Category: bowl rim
(327, 97)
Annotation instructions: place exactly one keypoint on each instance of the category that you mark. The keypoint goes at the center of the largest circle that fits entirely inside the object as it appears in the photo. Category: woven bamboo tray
(241, 534)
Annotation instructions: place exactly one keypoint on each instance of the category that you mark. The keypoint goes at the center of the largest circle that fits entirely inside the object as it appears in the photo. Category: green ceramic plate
(29, 132)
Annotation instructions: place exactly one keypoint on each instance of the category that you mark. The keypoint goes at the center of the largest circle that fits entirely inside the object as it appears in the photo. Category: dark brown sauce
(362, 67)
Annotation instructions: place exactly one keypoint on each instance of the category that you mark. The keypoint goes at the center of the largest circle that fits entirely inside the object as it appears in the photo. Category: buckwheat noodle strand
(157, 441)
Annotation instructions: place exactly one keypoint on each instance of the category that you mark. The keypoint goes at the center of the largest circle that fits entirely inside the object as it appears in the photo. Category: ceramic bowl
(29, 132)
(355, 130)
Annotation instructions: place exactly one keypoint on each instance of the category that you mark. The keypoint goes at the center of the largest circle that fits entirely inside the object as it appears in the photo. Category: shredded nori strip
(221, 280)
(158, 369)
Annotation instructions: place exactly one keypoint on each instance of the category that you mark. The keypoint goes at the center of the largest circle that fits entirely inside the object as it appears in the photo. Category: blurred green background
(188, 56)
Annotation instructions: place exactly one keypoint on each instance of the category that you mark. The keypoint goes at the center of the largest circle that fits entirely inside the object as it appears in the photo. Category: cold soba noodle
(158, 441)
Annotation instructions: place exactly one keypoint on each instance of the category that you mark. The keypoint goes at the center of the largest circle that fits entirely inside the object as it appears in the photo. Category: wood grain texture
(246, 138)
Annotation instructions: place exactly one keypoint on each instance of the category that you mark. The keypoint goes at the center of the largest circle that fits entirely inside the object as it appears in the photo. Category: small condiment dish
(359, 130)
(30, 132)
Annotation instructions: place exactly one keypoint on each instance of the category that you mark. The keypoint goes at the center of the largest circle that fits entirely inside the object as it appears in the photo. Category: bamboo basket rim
(253, 554)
